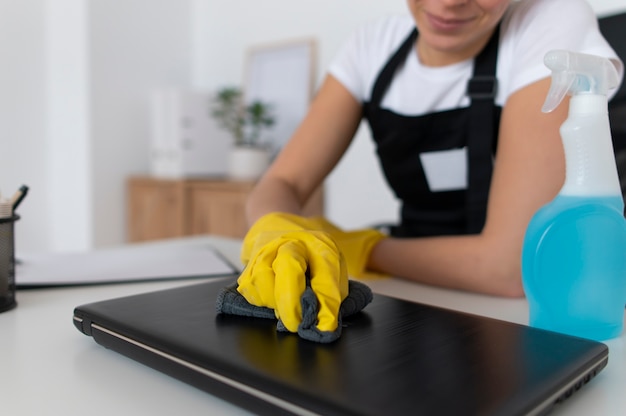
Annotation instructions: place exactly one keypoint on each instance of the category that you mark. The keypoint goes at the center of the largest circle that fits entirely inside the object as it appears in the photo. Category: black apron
(400, 140)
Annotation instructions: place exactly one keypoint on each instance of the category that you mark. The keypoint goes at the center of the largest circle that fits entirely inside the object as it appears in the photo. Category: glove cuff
(357, 248)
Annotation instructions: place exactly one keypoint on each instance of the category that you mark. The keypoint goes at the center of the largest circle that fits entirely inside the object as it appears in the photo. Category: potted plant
(250, 156)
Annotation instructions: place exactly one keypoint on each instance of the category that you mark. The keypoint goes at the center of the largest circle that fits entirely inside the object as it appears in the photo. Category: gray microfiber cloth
(231, 302)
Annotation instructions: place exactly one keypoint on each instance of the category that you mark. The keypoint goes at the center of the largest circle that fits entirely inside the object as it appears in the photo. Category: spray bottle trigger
(561, 83)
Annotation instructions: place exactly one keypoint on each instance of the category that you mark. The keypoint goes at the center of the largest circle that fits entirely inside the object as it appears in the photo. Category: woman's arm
(311, 153)
(528, 172)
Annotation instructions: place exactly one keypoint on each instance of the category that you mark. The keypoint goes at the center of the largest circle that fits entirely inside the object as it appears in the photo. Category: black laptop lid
(395, 357)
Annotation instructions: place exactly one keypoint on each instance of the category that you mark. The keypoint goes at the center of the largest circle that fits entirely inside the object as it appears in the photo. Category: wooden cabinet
(155, 209)
(163, 208)
(218, 207)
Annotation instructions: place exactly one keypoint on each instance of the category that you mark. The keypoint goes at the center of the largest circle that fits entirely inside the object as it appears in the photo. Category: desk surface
(48, 367)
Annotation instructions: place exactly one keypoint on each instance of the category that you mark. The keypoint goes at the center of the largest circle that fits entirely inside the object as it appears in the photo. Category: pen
(19, 196)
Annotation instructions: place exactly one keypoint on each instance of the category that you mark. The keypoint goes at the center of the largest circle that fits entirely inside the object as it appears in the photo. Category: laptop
(394, 357)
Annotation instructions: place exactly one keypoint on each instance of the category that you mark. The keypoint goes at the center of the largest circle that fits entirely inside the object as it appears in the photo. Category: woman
(504, 157)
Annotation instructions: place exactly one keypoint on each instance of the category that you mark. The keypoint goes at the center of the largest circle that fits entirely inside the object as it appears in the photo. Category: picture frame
(281, 74)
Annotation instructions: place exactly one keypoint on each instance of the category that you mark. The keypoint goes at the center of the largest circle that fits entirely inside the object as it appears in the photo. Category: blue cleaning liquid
(574, 266)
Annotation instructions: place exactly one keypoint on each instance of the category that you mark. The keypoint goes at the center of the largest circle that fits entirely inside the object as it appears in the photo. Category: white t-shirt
(529, 29)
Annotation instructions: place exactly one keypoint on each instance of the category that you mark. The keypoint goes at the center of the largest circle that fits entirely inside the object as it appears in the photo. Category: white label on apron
(446, 170)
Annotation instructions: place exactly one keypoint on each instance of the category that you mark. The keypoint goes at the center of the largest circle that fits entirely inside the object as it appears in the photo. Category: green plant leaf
(244, 123)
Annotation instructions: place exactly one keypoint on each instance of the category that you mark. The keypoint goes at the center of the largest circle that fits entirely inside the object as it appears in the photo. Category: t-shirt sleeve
(540, 26)
(361, 58)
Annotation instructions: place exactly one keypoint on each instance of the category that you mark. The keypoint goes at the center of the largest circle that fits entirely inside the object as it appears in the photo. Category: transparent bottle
(574, 252)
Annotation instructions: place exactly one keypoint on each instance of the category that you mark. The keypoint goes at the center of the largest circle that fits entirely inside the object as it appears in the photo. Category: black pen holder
(7, 263)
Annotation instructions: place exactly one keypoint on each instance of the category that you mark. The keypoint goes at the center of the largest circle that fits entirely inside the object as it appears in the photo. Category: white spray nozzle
(578, 73)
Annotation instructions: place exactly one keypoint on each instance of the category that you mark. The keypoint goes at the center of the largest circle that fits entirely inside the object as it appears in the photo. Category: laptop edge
(248, 396)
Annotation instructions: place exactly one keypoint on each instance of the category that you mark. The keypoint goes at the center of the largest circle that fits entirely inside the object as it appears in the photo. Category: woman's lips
(447, 24)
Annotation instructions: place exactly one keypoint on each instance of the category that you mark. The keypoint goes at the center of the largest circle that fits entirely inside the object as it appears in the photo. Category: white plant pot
(247, 163)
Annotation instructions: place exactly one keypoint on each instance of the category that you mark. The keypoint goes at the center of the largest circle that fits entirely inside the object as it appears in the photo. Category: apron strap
(482, 90)
(386, 74)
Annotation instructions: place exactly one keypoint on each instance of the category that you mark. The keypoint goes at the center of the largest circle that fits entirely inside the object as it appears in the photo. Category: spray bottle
(574, 252)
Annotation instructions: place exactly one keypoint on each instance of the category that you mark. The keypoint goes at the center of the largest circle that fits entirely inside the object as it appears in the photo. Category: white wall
(68, 168)
(136, 46)
(75, 78)
(22, 101)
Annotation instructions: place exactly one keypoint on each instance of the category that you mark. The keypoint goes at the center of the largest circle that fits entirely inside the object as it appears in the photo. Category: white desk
(48, 367)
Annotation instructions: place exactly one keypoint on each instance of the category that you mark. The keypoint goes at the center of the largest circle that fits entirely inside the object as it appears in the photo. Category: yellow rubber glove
(279, 249)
